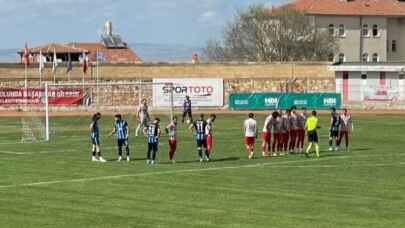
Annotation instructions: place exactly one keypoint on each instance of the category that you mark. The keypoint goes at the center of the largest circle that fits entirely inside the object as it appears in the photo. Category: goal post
(62, 99)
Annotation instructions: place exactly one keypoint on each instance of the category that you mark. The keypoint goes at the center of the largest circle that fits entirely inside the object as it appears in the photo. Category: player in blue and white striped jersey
(199, 127)
(121, 130)
(152, 132)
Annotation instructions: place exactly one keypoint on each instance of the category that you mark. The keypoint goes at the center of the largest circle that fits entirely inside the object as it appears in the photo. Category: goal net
(68, 107)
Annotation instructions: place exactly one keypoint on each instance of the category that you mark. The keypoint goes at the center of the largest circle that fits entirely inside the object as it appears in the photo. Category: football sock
(200, 153)
(94, 153)
(207, 154)
(120, 151)
(127, 150)
(308, 148)
(317, 149)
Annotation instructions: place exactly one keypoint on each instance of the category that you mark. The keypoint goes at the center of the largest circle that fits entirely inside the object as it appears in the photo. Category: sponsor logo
(300, 102)
(329, 101)
(195, 90)
(271, 101)
(241, 102)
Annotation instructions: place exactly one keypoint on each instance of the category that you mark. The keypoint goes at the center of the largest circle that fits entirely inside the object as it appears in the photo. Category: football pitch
(54, 184)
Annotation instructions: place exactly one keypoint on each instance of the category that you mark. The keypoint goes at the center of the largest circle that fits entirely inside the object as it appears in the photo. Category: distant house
(367, 30)
(111, 49)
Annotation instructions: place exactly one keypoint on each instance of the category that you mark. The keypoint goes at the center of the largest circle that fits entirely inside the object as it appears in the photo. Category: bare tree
(258, 34)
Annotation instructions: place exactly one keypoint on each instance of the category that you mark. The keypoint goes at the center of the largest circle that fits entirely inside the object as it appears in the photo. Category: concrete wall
(149, 71)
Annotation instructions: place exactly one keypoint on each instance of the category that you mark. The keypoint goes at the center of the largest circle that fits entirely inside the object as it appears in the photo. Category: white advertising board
(202, 92)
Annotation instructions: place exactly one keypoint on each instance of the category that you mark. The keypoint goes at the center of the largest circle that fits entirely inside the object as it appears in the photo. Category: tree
(258, 34)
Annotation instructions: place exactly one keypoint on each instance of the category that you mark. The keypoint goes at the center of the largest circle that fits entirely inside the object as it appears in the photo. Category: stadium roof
(368, 67)
(349, 7)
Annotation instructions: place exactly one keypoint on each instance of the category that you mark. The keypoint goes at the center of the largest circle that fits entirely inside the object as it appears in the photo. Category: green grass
(55, 185)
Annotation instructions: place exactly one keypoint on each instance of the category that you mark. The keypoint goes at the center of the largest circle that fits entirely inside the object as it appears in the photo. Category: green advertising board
(263, 101)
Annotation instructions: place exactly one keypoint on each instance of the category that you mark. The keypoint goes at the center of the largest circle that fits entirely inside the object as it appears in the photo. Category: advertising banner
(60, 96)
(263, 101)
(202, 92)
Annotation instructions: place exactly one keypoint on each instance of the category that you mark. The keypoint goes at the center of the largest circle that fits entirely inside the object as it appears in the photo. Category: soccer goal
(68, 107)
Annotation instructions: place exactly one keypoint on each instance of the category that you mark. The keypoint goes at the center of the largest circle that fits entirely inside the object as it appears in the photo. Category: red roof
(58, 48)
(349, 7)
(112, 55)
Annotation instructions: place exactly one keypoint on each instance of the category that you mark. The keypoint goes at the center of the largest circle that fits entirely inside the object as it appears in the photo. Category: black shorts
(313, 136)
(202, 143)
(333, 133)
(153, 147)
(95, 140)
(122, 142)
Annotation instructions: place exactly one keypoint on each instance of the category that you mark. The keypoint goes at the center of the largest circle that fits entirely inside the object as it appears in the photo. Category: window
(341, 57)
(375, 57)
(375, 30)
(342, 30)
(365, 31)
(364, 58)
(363, 75)
(331, 57)
(394, 46)
(331, 29)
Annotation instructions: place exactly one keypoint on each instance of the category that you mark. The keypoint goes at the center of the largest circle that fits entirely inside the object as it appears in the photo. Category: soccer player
(285, 129)
(121, 130)
(301, 120)
(250, 128)
(208, 134)
(276, 126)
(152, 132)
(311, 126)
(187, 110)
(266, 133)
(171, 130)
(142, 116)
(293, 123)
(346, 127)
(95, 140)
(199, 127)
(334, 129)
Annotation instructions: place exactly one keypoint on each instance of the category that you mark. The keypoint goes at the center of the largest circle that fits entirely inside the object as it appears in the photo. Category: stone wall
(149, 71)
(296, 77)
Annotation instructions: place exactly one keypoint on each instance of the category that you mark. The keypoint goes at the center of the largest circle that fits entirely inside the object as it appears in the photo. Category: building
(370, 82)
(111, 49)
(367, 30)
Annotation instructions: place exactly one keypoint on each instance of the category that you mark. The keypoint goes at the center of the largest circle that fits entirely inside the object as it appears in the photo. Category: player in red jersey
(285, 129)
(250, 129)
(208, 132)
(292, 118)
(276, 126)
(301, 120)
(266, 135)
(345, 129)
(171, 130)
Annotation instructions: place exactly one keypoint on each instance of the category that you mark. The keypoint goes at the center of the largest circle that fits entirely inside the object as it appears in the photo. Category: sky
(187, 22)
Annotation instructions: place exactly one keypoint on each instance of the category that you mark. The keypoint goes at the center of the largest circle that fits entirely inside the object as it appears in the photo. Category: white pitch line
(78, 180)
(33, 153)
(267, 164)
